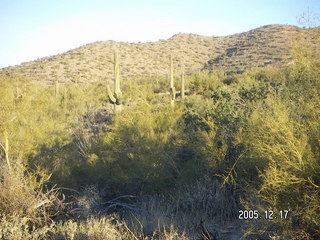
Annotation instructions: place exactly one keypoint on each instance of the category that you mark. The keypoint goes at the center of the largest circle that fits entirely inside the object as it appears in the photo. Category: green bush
(137, 152)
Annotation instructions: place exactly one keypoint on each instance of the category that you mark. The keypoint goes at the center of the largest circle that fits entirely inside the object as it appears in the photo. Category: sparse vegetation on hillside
(261, 47)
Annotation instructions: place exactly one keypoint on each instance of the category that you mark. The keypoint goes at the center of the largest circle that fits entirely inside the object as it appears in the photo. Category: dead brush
(18, 228)
(209, 199)
(206, 202)
(23, 195)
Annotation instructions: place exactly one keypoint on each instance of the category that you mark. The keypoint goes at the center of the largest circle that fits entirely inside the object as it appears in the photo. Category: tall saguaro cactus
(115, 98)
(172, 88)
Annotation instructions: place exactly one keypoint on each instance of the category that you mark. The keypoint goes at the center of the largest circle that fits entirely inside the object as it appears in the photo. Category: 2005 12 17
(267, 214)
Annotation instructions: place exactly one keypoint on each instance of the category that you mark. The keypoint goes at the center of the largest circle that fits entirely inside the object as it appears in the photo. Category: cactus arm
(112, 99)
(118, 98)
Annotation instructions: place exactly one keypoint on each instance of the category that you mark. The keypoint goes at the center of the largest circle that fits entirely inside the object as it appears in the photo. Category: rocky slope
(265, 46)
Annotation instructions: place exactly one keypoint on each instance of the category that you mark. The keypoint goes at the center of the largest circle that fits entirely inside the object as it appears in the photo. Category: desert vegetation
(73, 166)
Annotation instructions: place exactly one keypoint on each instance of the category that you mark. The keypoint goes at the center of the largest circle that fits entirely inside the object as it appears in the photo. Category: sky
(32, 29)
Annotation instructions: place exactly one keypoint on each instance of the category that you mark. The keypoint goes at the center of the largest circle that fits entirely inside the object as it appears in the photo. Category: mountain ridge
(268, 45)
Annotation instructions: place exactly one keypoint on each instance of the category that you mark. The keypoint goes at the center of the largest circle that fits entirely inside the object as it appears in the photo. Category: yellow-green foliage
(288, 181)
(31, 119)
(204, 82)
(285, 135)
(137, 91)
(257, 133)
(137, 148)
(305, 49)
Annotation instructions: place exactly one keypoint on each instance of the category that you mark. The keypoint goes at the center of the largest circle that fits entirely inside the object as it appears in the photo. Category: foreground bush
(91, 229)
(23, 196)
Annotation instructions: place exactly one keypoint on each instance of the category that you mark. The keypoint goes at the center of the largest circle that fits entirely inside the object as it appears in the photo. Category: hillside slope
(266, 46)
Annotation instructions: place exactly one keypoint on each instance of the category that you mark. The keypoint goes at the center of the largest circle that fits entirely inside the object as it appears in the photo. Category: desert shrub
(93, 228)
(136, 151)
(305, 50)
(268, 75)
(111, 228)
(44, 129)
(230, 80)
(291, 177)
(204, 82)
(90, 229)
(17, 228)
(209, 141)
(203, 202)
(137, 91)
(208, 199)
(158, 83)
(253, 93)
(197, 153)
(269, 144)
(23, 197)
(31, 120)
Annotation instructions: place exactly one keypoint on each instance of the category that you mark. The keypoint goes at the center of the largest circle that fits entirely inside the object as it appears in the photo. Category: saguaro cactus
(115, 98)
(172, 88)
(182, 85)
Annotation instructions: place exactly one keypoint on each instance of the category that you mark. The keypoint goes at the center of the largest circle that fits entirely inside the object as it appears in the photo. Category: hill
(265, 46)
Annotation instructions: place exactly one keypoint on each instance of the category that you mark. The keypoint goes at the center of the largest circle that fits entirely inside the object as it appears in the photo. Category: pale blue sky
(31, 29)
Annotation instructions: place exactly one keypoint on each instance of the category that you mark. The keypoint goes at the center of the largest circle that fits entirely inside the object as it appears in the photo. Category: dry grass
(105, 228)
(23, 196)
(26, 213)
(204, 204)
(102, 228)
(91, 229)
(17, 228)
